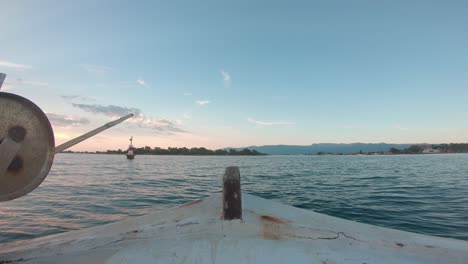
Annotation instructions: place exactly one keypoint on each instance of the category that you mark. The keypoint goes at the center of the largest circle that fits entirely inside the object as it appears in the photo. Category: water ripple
(425, 194)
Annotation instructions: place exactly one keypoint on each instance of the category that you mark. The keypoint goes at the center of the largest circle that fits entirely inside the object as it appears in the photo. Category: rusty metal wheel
(27, 146)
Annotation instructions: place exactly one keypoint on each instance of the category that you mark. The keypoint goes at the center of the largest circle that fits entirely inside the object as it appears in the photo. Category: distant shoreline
(357, 149)
(177, 152)
(193, 155)
(188, 155)
(414, 149)
(382, 154)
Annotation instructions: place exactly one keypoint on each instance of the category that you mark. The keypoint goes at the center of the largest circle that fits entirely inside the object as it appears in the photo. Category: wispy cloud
(8, 85)
(35, 83)
(202, 102)
(142, 83)
(66, 121)
(9, 64)
(400, 127)
(77, 97)
(187, 116)
(70, 97)
(179, 122)
(156, 124)
(97, 69)
(162, 126)
(272, 123)
(187, 94)
(32, 83)
(226, 76)
(61, 135)
(112, 111)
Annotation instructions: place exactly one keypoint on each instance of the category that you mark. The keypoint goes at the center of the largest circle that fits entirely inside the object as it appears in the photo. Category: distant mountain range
(325, 147)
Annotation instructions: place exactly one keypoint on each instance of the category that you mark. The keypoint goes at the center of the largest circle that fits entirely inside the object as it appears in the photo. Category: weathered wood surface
(232, 200)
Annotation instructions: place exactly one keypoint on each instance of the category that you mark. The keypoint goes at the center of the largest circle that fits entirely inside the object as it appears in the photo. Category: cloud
(66, 121)
(399, 127)
(142, 83)
(226, 76)
(35, 83)
(62, 136)
(139, 120)
(77, 97)
(97, 69)
(202, 102)
(32, 83)
(179, 122)
(274, 123)
(9, 64)
(70, 97)
(187, 94)
(187, 116)
(156, 124)
(8, 85)
(109, 110)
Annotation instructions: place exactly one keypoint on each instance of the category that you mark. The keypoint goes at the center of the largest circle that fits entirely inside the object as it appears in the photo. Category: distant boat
(130, 154)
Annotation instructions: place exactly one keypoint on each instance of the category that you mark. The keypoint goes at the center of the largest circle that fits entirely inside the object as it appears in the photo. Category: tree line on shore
(185, 151)
(440, 148)
(414, 149)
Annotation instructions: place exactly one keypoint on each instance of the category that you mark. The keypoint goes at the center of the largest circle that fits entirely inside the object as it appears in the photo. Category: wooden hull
(269, 232)
(130, 157)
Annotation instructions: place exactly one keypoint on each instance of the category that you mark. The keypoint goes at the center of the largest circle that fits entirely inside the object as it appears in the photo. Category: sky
(239, 73)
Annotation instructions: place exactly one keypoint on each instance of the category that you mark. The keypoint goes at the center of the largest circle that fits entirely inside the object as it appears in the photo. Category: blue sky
(239, 73)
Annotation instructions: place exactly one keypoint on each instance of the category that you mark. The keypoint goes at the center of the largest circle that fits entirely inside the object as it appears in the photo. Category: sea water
(426, 194)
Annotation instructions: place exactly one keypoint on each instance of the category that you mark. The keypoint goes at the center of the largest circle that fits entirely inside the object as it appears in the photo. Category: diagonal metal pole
(91, 133)
(2, 78)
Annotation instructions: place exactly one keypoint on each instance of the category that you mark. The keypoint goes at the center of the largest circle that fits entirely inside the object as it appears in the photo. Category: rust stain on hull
(191, 203)
(268, 218)
(273, 228)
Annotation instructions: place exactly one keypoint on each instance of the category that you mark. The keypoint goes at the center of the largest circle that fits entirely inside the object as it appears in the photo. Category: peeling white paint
(268, 233)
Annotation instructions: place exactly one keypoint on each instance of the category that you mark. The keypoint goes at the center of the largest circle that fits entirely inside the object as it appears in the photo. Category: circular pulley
(27, 146)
